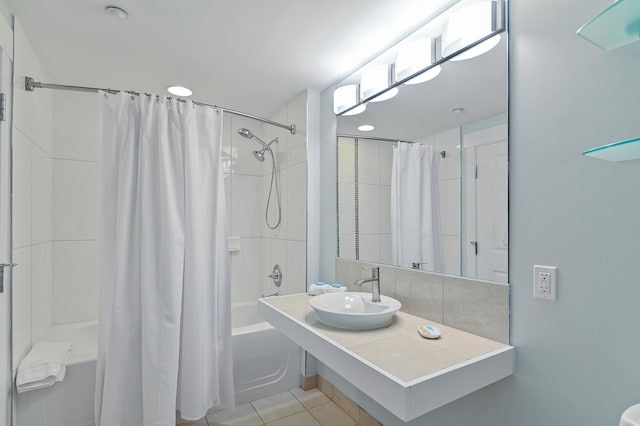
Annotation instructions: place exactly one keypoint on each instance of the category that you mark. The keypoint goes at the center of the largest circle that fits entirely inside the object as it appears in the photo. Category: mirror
(449, 212)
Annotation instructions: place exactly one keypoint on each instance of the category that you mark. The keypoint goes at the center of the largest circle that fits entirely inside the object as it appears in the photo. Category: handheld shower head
(245, 132)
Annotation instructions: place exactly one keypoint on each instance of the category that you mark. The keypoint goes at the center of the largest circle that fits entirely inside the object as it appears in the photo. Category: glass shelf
(618, 151)
(615, 26)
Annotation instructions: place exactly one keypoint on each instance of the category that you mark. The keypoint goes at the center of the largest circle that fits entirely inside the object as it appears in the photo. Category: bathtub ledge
(405, 373)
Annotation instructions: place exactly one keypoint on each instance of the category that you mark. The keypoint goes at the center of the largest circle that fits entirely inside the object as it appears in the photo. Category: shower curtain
(165, 320)
(416, 229)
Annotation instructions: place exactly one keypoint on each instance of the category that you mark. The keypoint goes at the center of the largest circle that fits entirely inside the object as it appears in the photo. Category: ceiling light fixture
(478, 23)
(179, 91)
(374, 80)
(468, 25)
(346, 97)
(414, 56)
(458, 110)
(366, 127)
(116, 12)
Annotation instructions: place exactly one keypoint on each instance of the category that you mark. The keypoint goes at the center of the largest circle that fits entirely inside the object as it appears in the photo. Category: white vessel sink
(354, 310)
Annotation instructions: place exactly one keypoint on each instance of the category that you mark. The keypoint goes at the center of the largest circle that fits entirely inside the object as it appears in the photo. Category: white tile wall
(76, 275)
(347, 195)
(41, 196)
(32, 200)
(245, 270)
(449, 141)
(347, 246)
(77, 126)
(369, 209)
(76, 200)
(42, 287)
(21, 190)
(248, 194)
(370, 247)
(450, 206)
(297, 144)
(346, 164)
(297, 202)
(21, 300)
(368, 161)
(296, 265)
(246, 206)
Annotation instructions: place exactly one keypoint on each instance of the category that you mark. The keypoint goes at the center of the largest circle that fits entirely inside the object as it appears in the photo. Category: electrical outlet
(545, 282)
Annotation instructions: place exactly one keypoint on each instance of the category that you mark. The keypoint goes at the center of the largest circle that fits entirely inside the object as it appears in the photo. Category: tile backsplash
(475, 306)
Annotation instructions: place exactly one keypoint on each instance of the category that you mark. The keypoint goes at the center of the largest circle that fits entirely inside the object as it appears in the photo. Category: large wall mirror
(426, 188)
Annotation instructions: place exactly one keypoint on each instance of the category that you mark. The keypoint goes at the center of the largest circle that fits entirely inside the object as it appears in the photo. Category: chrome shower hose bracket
(276, 275)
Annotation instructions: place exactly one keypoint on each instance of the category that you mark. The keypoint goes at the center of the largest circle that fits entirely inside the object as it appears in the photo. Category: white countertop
(404, 372)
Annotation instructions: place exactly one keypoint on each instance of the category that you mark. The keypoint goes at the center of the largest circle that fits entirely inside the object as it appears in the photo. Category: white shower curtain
(416, 230)
(165, 320)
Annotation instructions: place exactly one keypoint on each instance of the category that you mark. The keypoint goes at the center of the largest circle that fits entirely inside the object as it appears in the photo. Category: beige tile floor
(293, 408)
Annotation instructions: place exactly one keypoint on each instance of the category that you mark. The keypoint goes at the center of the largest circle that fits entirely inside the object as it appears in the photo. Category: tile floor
(293, 408)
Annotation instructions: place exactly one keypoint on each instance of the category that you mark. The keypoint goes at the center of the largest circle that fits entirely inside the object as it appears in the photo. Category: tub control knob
(276, 275)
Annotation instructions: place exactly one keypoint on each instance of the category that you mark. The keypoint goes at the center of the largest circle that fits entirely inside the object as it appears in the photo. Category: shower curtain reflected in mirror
(165, 325)
(416, 227)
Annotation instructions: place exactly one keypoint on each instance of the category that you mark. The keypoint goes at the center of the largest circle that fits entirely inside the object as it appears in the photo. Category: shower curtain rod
(443, 154)
(372, 138)
(30, 85)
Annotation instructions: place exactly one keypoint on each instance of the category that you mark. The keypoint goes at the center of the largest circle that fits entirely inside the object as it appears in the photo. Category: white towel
(44, 365)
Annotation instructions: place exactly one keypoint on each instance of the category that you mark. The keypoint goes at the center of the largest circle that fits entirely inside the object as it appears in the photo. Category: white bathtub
(265, 363)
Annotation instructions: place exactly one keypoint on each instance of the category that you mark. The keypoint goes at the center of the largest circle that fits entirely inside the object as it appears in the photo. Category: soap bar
(429, 331)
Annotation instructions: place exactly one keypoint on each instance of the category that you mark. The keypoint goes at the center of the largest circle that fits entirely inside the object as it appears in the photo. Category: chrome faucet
(375, 283)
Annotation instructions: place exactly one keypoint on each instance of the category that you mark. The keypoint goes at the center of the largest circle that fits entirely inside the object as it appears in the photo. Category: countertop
(441, 369)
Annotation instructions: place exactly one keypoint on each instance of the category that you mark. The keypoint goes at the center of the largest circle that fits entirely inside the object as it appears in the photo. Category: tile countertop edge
(406, 400)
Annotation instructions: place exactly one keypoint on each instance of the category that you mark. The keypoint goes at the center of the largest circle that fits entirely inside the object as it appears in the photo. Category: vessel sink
(354, 310)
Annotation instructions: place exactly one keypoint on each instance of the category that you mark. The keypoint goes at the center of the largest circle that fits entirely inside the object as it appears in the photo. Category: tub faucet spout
(375, 283)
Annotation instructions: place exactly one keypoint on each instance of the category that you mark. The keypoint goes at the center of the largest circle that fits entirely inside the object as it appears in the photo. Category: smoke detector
(116, 12)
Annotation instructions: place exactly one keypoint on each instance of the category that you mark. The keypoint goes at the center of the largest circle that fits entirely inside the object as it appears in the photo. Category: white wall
(570, 211)
(32, 200)
(77, 150)
(247, 188)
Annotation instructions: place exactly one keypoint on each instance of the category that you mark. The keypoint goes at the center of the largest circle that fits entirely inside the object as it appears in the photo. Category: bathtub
(265, 363)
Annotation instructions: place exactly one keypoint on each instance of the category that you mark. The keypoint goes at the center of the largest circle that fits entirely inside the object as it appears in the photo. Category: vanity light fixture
(366, 127)
(374, 80)
(116, 12)
(414, 56)
(466, 26)
(181, 91)
(346, 97)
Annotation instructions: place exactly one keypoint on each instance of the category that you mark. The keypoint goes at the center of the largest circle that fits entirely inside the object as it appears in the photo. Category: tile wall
(76, 207)
(450, 186)
(33, 153)
(478, 307)
(247, 183)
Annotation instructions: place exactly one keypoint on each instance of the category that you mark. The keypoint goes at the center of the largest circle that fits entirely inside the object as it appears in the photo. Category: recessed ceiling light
(457, 110)
(179, 91)
(366, 128)
(116, 12)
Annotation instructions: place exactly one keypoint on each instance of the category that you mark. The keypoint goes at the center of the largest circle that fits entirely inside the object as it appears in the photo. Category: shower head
(245, 132)
(259, 155)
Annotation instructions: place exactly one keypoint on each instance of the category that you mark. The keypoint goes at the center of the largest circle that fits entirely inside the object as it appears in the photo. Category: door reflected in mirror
(427, 187)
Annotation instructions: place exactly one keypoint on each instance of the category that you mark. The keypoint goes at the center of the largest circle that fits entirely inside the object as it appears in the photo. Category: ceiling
(248, 55)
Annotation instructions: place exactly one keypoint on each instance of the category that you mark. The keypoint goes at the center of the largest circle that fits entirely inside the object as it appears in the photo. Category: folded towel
(43, 366)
